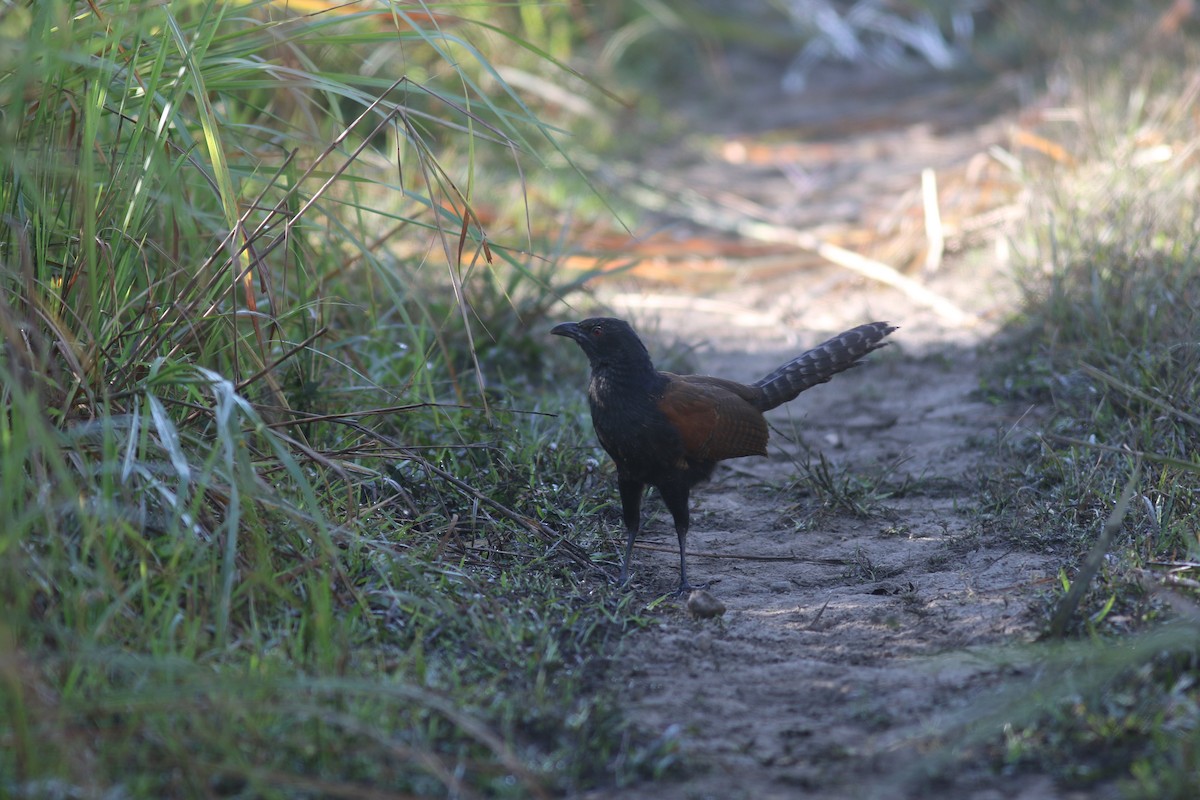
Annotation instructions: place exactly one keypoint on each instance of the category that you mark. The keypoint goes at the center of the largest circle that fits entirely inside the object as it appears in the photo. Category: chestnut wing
(715, 418)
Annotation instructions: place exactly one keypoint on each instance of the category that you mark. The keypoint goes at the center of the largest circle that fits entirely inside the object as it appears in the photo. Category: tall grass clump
(1109, 348)
(280, 512)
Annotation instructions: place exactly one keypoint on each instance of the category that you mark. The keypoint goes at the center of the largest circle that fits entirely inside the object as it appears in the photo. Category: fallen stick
(694, 207)
(867, 267)
(742, 557)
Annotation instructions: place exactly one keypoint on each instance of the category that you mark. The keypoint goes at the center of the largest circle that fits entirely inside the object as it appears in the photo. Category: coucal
(669, 431)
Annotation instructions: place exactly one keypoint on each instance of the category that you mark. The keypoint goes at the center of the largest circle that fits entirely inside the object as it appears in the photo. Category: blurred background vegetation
(282, 508)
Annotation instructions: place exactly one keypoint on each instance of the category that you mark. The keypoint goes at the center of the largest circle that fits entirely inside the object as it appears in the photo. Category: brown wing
(715, 418)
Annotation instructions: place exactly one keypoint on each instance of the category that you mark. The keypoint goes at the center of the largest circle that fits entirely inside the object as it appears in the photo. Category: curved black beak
(568, 329)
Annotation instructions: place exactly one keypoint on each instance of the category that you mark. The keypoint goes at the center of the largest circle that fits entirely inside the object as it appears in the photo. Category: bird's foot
(687, 588)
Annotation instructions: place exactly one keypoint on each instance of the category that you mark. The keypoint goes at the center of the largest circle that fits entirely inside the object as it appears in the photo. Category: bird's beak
(568, 329)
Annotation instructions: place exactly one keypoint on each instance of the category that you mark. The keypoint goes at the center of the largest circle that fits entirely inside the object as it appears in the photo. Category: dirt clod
(704, 606)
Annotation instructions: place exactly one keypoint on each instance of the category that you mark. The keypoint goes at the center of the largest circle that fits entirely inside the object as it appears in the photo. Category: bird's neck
(624, 375)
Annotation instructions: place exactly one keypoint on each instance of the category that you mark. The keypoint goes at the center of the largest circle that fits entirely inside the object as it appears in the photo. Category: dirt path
(849, 638)
(833, 662)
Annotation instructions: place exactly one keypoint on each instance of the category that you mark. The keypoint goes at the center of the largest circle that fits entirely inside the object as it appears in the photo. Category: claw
(686, 588)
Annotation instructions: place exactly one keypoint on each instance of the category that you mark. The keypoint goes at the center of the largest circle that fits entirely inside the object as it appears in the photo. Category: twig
(1183, 606)
(867, 267)
(933, 221)
(743, 557)
(1175, 580)
(1162, 405)
(557, 541)
(1123, 450)
(306, 418)
(694, 207)
(812, 625)
(246, 382)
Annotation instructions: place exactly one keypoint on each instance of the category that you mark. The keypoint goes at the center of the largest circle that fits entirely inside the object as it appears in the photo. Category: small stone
(703, 605)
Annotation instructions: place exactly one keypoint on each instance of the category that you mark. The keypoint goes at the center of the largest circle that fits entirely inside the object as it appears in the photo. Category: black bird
(669, 431)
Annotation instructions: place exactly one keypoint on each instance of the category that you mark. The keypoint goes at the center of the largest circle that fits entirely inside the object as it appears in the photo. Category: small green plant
(837, 489)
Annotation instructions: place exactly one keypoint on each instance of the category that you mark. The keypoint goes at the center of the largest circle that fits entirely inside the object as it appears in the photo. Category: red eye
(598, 331)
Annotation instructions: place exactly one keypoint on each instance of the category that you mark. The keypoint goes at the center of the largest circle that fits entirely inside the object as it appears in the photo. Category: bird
(669, 431)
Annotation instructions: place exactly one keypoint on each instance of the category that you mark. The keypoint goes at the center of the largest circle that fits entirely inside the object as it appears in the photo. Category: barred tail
(818, 365)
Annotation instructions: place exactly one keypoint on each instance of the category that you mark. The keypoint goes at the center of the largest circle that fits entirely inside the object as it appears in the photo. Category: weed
(837, 489)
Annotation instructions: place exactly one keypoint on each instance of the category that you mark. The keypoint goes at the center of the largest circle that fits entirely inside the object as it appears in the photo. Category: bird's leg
(684, 586)
(631, 511)
(676, 498)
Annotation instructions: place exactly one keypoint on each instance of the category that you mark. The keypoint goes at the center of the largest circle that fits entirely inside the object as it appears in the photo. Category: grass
(282, 510)
(1112, 285)
(835, 489)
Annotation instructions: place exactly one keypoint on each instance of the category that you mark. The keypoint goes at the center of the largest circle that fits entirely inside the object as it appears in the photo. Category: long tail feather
(821, 363)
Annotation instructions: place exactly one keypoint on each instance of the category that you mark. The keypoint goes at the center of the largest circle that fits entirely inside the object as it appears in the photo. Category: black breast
(640, 439)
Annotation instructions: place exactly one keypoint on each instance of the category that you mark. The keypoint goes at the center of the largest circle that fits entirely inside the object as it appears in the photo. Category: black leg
(631, 512)
(676, 498)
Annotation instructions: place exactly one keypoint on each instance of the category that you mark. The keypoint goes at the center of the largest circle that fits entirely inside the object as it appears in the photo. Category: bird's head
(606, 341)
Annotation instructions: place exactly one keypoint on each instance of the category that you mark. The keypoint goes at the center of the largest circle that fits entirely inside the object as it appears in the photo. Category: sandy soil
(849, 638)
